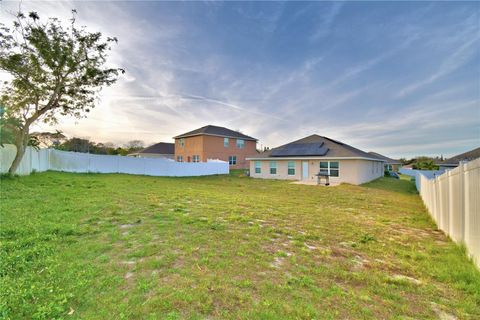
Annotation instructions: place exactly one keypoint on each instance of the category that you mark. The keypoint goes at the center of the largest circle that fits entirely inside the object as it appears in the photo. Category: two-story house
(212, 142)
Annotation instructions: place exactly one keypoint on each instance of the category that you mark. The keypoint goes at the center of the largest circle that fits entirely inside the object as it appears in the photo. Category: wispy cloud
(457, 59)
(326, 19)
(378, 75)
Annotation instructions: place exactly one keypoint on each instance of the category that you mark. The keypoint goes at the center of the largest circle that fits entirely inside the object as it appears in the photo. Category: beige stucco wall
(354, 171)
(282, 170)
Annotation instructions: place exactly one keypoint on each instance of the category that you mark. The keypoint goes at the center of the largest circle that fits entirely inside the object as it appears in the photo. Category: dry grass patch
(225, 247)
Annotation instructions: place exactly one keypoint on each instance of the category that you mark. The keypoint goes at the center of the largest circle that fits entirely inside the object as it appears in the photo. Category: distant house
(213, 142)
(390, 164)
(305, 158)
(453, 162)
(158, 150)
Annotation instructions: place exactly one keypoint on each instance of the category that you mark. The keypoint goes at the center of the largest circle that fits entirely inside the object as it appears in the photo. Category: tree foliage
(424, 164)
(135, 145)
(57, 71)
(49, 139)
(87, 146)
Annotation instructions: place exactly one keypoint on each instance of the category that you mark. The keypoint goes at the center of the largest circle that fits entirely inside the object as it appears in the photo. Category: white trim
(329, 168)
(270, 167)
(294, 168)
(315, 158)
(259, 167)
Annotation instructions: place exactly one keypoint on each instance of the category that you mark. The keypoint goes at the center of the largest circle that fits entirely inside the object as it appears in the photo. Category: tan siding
(351, 171)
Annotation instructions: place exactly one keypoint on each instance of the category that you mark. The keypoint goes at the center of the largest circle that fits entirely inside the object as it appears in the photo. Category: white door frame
(304, 170)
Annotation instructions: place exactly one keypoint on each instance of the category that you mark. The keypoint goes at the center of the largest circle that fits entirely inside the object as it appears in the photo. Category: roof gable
(466, 156)
(160, 148)
(215, 131)
(386, 159)
(301, 149)
(317, 146)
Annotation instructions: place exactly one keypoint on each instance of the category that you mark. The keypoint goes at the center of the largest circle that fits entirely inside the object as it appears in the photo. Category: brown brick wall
(193, 146)
(212, 147)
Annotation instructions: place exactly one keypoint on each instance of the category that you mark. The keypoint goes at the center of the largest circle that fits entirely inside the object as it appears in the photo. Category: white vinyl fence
(430, 174)
(453, 200)
(49, 159)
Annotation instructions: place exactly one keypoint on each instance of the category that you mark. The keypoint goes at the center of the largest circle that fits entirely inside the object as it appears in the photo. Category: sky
(398, 78)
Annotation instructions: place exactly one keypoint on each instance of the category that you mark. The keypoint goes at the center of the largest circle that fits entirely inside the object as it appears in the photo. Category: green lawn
(99, 246)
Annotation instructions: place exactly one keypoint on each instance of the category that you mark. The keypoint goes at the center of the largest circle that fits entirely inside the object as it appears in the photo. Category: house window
(323, 167)
(240, 143)
(334, 169)
(291, 168)
(195, 158)
(179, 158)
(232, 160)
(273, 167)
(389, 167)
(258, 167)
(182, 142)
(330, 168)
(225, 142)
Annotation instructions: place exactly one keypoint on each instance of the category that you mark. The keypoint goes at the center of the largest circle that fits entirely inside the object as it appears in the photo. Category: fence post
(472, 209)
(445, 206)
(438, 211)
(89, 162)
(449, 206)
(461, 199)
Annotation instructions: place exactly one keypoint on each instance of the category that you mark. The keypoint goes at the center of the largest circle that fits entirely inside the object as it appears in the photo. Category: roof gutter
(316, 158)
(213, 135)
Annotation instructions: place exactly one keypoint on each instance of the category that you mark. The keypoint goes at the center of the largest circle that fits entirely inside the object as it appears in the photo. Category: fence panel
(45, 159)
(471, 184)
(455, 204)
(103, 163)
(69, 161)
(453, 201)
(132, 165)
(443, 197)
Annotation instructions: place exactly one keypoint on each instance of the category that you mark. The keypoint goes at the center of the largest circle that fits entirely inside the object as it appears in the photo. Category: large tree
(58, 70)
(135, 145)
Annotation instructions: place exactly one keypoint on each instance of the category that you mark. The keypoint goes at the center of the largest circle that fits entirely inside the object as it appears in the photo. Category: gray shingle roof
(300, 149)
(382, 157)
(317, 146)
(160, 148)
(466, 156)
(216, 131)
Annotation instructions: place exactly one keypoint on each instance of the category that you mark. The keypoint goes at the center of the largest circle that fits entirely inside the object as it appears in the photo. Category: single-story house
(158, 150)
(390, 164)
(303, 159)
(453, 162)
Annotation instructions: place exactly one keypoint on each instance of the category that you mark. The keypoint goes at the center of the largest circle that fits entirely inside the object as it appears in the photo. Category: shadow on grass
(403, 186)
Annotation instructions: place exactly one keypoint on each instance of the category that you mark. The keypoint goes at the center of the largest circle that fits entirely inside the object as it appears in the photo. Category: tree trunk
(21, 141)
